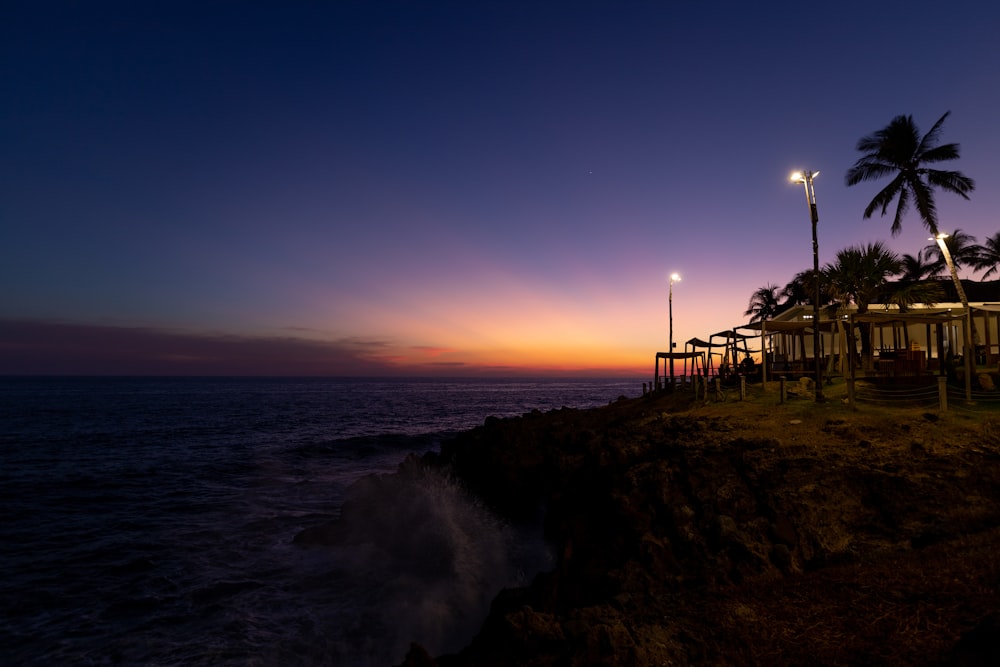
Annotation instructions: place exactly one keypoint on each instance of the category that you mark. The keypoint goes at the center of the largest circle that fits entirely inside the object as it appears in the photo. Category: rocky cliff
(743, 533)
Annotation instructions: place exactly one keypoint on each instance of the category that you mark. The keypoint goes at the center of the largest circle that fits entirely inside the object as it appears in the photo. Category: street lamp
(674, 278)
(969, 350)
(806, 179)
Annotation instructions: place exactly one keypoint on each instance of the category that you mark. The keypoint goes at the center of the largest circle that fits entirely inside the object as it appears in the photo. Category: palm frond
(988, 256)
(932, 255)
(924, 199)
(941, 153)
(901, 208)
(914, 268)
(952, 181)
(885, 197)
(927, 292)
(930, 139)
(867, 169)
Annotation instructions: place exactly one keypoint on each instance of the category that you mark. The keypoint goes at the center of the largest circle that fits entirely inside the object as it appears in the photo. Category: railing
(917, 395)
(980, 401)
(942, 396)
(935, 394)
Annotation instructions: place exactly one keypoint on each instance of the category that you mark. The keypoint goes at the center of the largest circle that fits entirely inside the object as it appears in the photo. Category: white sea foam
(433, 555)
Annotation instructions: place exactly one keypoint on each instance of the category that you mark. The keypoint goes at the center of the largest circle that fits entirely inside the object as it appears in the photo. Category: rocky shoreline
(745, 533)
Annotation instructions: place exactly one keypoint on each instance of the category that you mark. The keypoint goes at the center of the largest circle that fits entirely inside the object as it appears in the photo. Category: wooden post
(781, 390)
(763, 354)
(850, 393)
(743, 388)
(943, 393)
(986, 329)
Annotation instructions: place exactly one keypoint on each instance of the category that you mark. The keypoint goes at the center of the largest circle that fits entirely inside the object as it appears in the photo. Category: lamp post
(674, 278)
(969, 350)
(806, 179)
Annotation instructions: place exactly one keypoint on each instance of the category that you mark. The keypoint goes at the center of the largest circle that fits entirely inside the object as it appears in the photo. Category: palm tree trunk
(843, 357)
(965, 303)
(867, 356)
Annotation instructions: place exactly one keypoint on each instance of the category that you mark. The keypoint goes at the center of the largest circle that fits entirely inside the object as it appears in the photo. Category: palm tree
(964, 252)
(763, 303)
(906, 295)
(801, 290)
(898, 150)
(915, 268)
(989, 256)
(962, 247)
(860, 275)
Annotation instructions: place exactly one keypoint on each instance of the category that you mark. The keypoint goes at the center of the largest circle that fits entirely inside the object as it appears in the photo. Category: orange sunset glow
(494, 191)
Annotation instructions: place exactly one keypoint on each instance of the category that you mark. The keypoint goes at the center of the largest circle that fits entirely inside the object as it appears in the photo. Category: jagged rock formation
(742, 534)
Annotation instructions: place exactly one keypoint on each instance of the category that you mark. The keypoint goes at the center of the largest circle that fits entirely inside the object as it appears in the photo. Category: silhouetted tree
(989, 256)
(860, 275)
(763, 303)
(906, 295)
(899, 151)
(801, 289)
(914, 268)
(961, 246)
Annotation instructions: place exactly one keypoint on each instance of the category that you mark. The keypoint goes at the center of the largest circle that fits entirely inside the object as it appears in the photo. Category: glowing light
(798, 177)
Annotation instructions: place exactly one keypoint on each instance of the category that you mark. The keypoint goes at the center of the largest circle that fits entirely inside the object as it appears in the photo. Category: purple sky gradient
(447, 187)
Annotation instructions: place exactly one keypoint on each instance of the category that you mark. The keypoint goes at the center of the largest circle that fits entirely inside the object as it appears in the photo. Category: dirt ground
(905, 593)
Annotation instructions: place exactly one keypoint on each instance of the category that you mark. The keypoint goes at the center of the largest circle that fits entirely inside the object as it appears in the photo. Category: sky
(417, 188)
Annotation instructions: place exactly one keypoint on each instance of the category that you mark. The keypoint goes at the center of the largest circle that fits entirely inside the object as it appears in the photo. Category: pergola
(792, 341)
(730, 344)
(901, 360)
(670, 357)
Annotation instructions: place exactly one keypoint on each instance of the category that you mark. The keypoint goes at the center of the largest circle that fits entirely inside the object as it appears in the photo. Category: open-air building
(920, 341)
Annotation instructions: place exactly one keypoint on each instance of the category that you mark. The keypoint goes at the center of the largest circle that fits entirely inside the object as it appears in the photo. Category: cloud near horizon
(38, 347)
(47, 347)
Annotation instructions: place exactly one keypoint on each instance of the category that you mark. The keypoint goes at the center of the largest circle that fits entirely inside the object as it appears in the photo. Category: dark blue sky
(449, 186)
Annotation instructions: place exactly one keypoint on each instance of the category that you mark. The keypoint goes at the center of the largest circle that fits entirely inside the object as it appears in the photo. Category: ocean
(151, 521)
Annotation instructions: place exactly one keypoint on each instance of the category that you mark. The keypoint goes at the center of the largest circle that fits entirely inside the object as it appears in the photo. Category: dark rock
(980, 646)
(417, 656)
(700, 538)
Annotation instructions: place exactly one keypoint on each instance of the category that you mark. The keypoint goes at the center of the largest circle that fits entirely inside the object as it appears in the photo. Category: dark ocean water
(151, 521)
